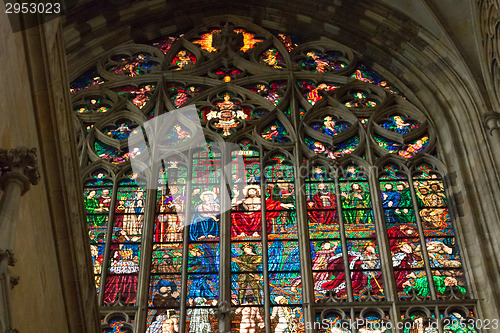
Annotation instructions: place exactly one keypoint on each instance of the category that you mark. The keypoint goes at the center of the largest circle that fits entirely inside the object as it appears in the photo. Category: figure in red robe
(124, 267)
(321, 207)
(403, 260)
(248, 222)
(400, 233)
(361, 266)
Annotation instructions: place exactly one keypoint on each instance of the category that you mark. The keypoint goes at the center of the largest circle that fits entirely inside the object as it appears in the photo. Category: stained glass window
(317, 195)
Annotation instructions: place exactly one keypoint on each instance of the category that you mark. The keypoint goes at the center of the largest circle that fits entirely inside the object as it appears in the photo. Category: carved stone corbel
(227, 38)
(492, 121)
(18, 170)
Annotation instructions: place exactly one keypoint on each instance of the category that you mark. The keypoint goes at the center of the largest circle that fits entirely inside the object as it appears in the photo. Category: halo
(209, 192)
(255, 187)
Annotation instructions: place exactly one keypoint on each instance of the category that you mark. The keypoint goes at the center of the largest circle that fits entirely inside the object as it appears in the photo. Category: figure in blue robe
(205, 221)
(390, 201)
(203, 260)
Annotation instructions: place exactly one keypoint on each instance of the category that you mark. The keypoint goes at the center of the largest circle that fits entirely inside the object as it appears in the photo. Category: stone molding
(489, 20)
(492, 121)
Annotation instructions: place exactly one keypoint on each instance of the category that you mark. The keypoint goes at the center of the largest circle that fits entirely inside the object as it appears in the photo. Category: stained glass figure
(120, 130)
(184, 58)
(203, 285)
(397, 202)
(164, 44)
(164, 303)
(330, 125)
(322, 209)
(365, 74)
(321, 62)
(249, 318)
(285, 318)
(167, 258)
(273, 58)
(249, 39)
(113, 154)
(138, 95)
(342, 148)
(404, 150)
(275, 132)
(87, 79)
(280, 200)
(135, 65)
(399, 124)
(457, 322)
(180, 94)
(122, 279)
(246, 220)
(227, 115)
(411, 280)
(328, 269)
(365, 269)
(206, 40)
(97, 253)
(201, 318)
(247, 262)
(273, 92)
(170, 205)
(356, 209)
(314, 92)
(360, 99)
(205, 221)
(163, 320)
(284, 272)
(287, 42)
(94, 104)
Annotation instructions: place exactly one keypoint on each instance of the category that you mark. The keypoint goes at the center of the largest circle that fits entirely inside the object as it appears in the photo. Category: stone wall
(55, 291)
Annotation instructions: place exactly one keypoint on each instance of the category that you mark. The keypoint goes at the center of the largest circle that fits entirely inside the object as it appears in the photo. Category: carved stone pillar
(18, 170)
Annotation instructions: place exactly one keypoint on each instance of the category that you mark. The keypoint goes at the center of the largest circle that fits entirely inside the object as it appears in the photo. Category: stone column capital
(19, 165)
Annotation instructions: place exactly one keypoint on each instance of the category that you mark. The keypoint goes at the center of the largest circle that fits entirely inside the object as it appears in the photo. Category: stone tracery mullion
(185, 249)
(343, 240)
(264, 241)
(147, 250)
(423, 242)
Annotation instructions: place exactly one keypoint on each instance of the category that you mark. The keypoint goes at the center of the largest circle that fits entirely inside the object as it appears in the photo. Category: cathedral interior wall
(37, 300)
